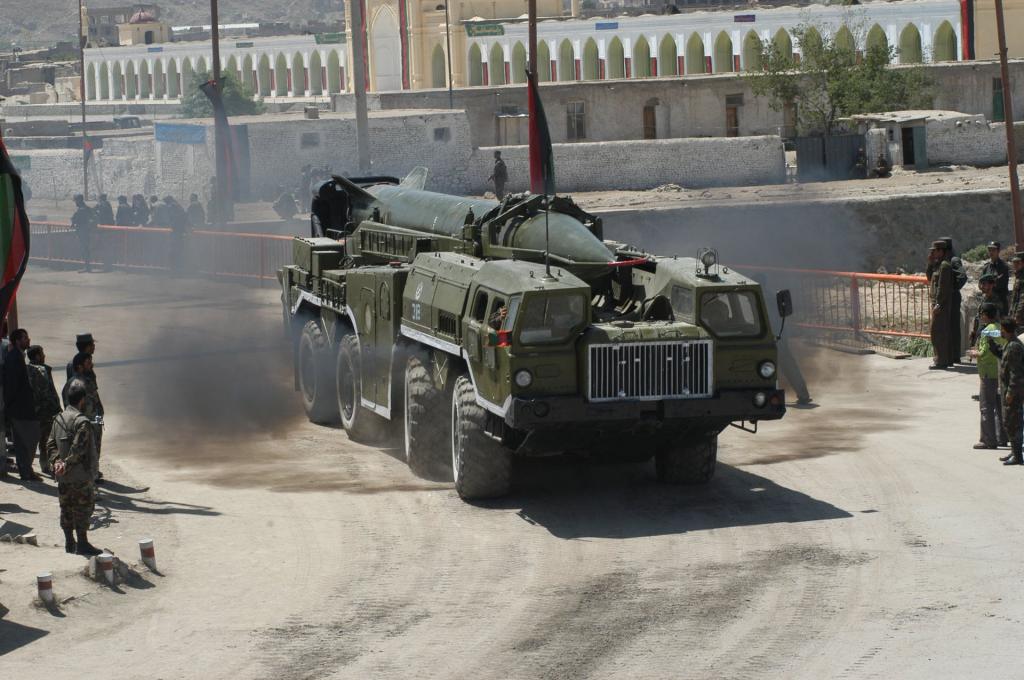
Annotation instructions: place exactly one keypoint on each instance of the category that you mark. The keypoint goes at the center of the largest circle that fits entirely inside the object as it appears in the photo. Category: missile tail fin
(417, 179)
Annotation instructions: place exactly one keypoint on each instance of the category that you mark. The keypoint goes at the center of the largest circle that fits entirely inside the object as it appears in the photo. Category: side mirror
(784, 300)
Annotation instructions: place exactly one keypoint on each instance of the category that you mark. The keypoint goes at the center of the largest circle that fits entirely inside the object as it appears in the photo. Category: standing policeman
(1000, 270)
(72, 451)
(1011, 385)
(84, 223)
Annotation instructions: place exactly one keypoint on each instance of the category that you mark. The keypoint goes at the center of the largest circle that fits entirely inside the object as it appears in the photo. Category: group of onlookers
(68, 439)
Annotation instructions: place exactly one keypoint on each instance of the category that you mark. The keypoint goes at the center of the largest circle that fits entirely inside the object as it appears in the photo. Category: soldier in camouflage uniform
(72, 452)
(1015, 310)
(92, 408)
(1011, 385)
(44, 394)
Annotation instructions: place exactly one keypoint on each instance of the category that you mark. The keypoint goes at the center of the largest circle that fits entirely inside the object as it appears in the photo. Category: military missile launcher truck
(487, 330)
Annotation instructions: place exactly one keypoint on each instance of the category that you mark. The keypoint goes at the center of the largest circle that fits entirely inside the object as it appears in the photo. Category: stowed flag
(542, 158)
(14, 232)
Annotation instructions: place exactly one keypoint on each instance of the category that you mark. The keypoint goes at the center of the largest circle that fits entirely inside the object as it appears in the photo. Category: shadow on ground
(577, 500)
(14, 636)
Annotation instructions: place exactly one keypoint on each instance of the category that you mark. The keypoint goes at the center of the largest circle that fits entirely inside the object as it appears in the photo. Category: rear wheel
(315, 380)
(426, 422)
(692, 462)
(481, 467)
(358, 421)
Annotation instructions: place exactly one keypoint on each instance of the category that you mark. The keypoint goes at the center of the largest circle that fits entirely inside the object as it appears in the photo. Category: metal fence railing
(230, 255)
(879, 304)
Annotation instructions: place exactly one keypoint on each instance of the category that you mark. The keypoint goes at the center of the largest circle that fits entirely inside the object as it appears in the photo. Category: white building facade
(293, 66)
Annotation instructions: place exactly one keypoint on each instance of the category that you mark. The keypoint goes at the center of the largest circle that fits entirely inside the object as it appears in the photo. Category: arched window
(844, 40)
(876, 39)
(476, 66)
(496, 65)
(695, 62)
(173, 88)
(316, 74)
(723, 53)
(591, 67)
(438, 69)
(519, 64)
(543, 62)
(910, 45)
(667, 57)
(130, 82)
(752, 52)
(616, 59)
(335, 83)
(641, 58)
(944, 43)
(783, 44)
(281, 76)
(90, 82)
(566, 62)
(298, 75)
(247, 73)
(264, 76)
(159, 82)
(104, 88)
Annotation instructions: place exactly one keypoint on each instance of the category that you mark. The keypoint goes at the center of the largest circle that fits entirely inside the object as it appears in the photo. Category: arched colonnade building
(707, 42)
(285, 66)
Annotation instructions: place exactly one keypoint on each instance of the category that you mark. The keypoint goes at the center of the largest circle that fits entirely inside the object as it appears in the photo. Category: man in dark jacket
(19, 405)
(959, 281)
(104, 211)
(196, 214)
(47, 402)
(941, 290)
(499, 176)
(1001, 271)
(83, 221)
(125, 216)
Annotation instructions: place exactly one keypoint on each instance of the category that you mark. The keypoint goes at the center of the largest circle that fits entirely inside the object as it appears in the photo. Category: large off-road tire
(481, 467)
(315, 372)
(690, 462)
(426, 420)
(360, 423)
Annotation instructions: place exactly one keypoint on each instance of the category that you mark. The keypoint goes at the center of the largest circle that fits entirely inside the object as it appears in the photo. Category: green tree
(238, 99)
(832, 81)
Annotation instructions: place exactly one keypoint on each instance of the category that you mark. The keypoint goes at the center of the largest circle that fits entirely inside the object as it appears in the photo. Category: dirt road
(860, 539)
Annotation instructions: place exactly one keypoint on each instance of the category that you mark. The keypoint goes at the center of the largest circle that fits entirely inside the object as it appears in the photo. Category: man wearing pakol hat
(990, 344)
(941, 290)
(998, 268)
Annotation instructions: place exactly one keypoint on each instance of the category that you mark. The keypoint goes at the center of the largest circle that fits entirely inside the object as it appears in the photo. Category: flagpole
(547, 237)
(82, 39)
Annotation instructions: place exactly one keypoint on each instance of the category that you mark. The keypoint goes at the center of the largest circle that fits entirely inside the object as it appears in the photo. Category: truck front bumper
(726, 407)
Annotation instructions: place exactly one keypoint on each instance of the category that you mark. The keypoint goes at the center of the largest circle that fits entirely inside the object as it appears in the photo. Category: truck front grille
(650, 370)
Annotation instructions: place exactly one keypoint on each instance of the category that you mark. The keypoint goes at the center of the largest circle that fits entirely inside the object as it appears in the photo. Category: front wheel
(315, 383)
(481, 467)
(691, 462)
(356, 419)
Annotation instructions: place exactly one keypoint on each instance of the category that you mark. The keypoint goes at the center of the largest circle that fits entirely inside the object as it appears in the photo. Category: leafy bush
(978, 253)
(238, 99)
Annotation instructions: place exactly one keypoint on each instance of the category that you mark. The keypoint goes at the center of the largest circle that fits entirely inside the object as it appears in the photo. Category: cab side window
(499, 311)
(682, 302)
(480, 306)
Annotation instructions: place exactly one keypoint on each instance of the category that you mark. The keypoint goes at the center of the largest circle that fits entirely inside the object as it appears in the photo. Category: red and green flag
(542, 157)
(14, 231)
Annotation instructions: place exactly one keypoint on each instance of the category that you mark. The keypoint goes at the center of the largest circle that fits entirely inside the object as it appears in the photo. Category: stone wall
(723, 161)
(860, 234)
(971, 141)
(122, 166)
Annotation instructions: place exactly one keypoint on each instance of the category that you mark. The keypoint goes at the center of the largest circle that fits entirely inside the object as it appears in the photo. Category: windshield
(551, 319)
(732, 314)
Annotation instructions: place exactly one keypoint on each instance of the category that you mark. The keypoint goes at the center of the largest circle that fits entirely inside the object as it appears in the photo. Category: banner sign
(744, 18)
(484, 30)
(179, 133)
(244, 43)
(329, 38)
(606, 26)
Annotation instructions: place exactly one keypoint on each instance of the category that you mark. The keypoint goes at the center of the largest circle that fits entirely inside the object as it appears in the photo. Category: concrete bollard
(44, 582)
(105, 562)
(148, 553)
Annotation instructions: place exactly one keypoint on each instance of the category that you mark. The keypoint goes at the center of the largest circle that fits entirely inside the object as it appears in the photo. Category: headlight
(760, 399)
(766, 369)
(524, 378)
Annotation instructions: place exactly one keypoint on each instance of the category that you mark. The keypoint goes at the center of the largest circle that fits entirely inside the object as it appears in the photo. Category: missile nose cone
(569, 238)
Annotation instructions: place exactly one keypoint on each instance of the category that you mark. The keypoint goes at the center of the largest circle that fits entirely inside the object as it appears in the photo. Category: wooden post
(1011, 145)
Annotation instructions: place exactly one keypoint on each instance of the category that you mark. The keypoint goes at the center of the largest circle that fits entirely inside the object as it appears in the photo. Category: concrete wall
(597, 166)
(120, 167)
(850, 235)
(694, 105)
(969, 142)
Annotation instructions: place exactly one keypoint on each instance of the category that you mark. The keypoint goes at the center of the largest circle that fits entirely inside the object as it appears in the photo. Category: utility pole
(82, 39)
(1011, 145)
(448, 42)
(358, 41)
(223, 200)
(531, 14)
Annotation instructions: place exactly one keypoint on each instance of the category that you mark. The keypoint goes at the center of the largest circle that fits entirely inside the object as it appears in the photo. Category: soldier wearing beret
(941, 288)
(1000, 270)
